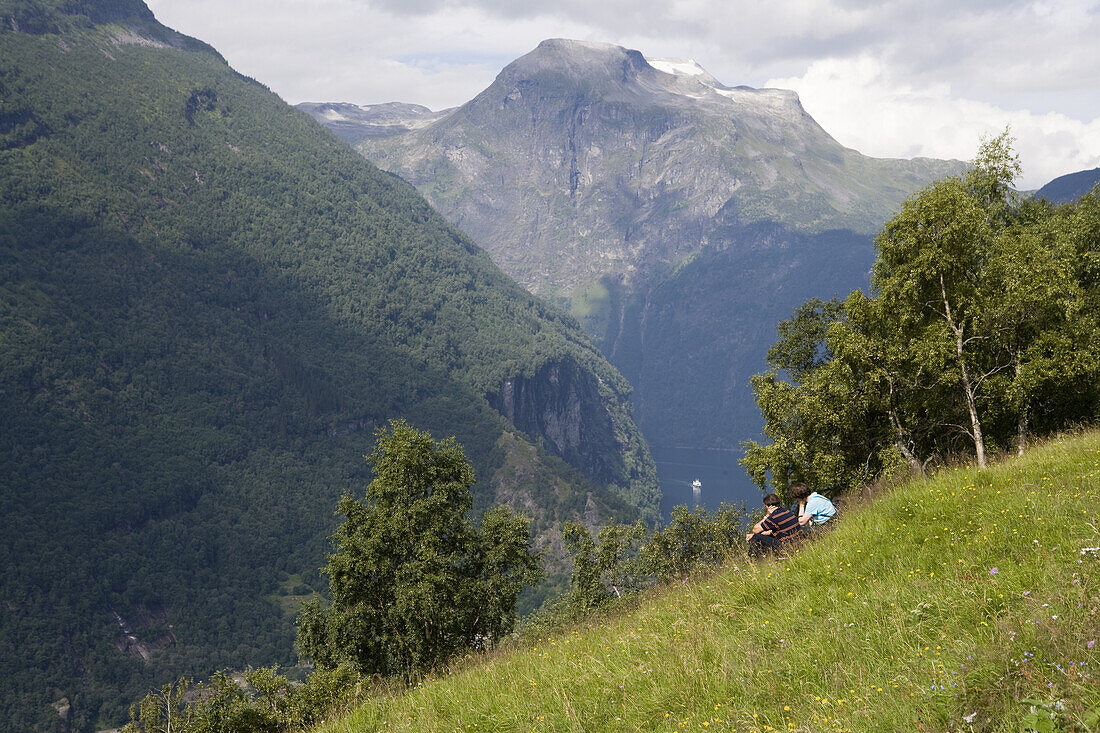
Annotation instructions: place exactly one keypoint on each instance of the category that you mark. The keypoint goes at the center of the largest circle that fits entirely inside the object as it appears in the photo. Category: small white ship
(696, 487)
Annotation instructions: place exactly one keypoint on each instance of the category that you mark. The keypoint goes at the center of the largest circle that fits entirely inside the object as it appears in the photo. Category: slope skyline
(1070, 187)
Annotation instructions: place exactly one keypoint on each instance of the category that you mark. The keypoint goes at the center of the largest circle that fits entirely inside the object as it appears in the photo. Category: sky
(890, 78)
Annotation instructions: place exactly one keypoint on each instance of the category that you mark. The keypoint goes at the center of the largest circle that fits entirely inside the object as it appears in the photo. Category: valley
(676, 218)
(211, 302)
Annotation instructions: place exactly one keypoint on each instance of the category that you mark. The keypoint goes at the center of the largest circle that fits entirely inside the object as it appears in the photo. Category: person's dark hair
(772, 500)
(800, 491)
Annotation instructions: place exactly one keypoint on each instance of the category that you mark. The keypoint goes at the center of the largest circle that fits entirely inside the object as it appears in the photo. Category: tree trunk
(1021, 418)
(915, 466)
(972, 407)
(902, 442)
(968, 390)
(1021, 432)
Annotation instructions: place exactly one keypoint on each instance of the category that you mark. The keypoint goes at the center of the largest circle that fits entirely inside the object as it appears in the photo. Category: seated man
(813, 508)
(777, 526)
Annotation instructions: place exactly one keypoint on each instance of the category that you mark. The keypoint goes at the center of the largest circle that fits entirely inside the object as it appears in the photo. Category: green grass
(963, 602)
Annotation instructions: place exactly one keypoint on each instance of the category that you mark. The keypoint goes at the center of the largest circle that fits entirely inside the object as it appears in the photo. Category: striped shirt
(782, 524)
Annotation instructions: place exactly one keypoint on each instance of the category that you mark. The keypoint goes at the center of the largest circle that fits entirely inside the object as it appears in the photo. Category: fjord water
(723, 478)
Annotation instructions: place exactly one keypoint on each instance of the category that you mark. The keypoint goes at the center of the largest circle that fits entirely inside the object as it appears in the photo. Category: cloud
(863, 104)
(996, 41)
(868, 70)
(345, 50)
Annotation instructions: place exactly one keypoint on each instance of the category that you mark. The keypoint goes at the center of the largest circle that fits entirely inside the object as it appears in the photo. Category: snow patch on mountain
(770, 101)
(678, 67)
(777, 100)
(684, 68)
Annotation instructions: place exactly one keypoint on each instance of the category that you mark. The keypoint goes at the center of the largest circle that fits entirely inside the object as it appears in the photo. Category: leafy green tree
(990, 178)
(893, 403)
(692, 538)
(586, 588)
(983, 323)
(621, 559)
(1059, 375)
(983, 288)
(224, 707)
(801, 346)
(818, 409)
(162, 710)
(1035, 315)
(929, 274)
(1082, 227)
(413, 581)
(264, 701)
(604, 568)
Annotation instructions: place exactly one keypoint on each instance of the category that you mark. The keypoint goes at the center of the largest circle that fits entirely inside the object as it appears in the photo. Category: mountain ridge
(1070, 187)
(595, 178)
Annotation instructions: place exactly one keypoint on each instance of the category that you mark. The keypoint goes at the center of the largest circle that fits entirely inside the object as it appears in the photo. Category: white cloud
(888, 77)
(343, 50)
(864, 106)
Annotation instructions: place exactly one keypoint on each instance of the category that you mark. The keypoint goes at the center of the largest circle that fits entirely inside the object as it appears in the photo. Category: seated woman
(813, 508)
(777, 526)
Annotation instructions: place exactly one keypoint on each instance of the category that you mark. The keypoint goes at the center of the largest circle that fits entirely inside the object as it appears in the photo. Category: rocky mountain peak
(690, 70)
(626, 162)
(569, 70)
(559, 52)
(589, 64)
(678, 218)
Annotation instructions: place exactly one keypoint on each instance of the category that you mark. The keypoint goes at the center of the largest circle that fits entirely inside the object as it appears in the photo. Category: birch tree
(929, 273)
(821, 413)
(982, 326)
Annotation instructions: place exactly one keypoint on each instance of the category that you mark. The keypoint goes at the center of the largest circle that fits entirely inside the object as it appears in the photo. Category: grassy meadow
(967, 601)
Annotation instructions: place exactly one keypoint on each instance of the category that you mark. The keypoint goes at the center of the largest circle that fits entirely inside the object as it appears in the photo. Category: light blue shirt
(819, 508)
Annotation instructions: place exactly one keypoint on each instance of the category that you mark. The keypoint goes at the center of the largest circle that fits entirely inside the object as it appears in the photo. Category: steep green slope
(968, 601)
(206, 305)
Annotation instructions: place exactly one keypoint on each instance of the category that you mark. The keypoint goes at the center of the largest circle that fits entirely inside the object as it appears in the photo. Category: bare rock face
(677, 218)
(146, 632)
(585, 160)
(552, 405)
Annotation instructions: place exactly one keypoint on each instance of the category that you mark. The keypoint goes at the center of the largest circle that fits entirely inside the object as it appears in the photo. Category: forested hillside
(206, 305)
(980, 336)
(1069, 187)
